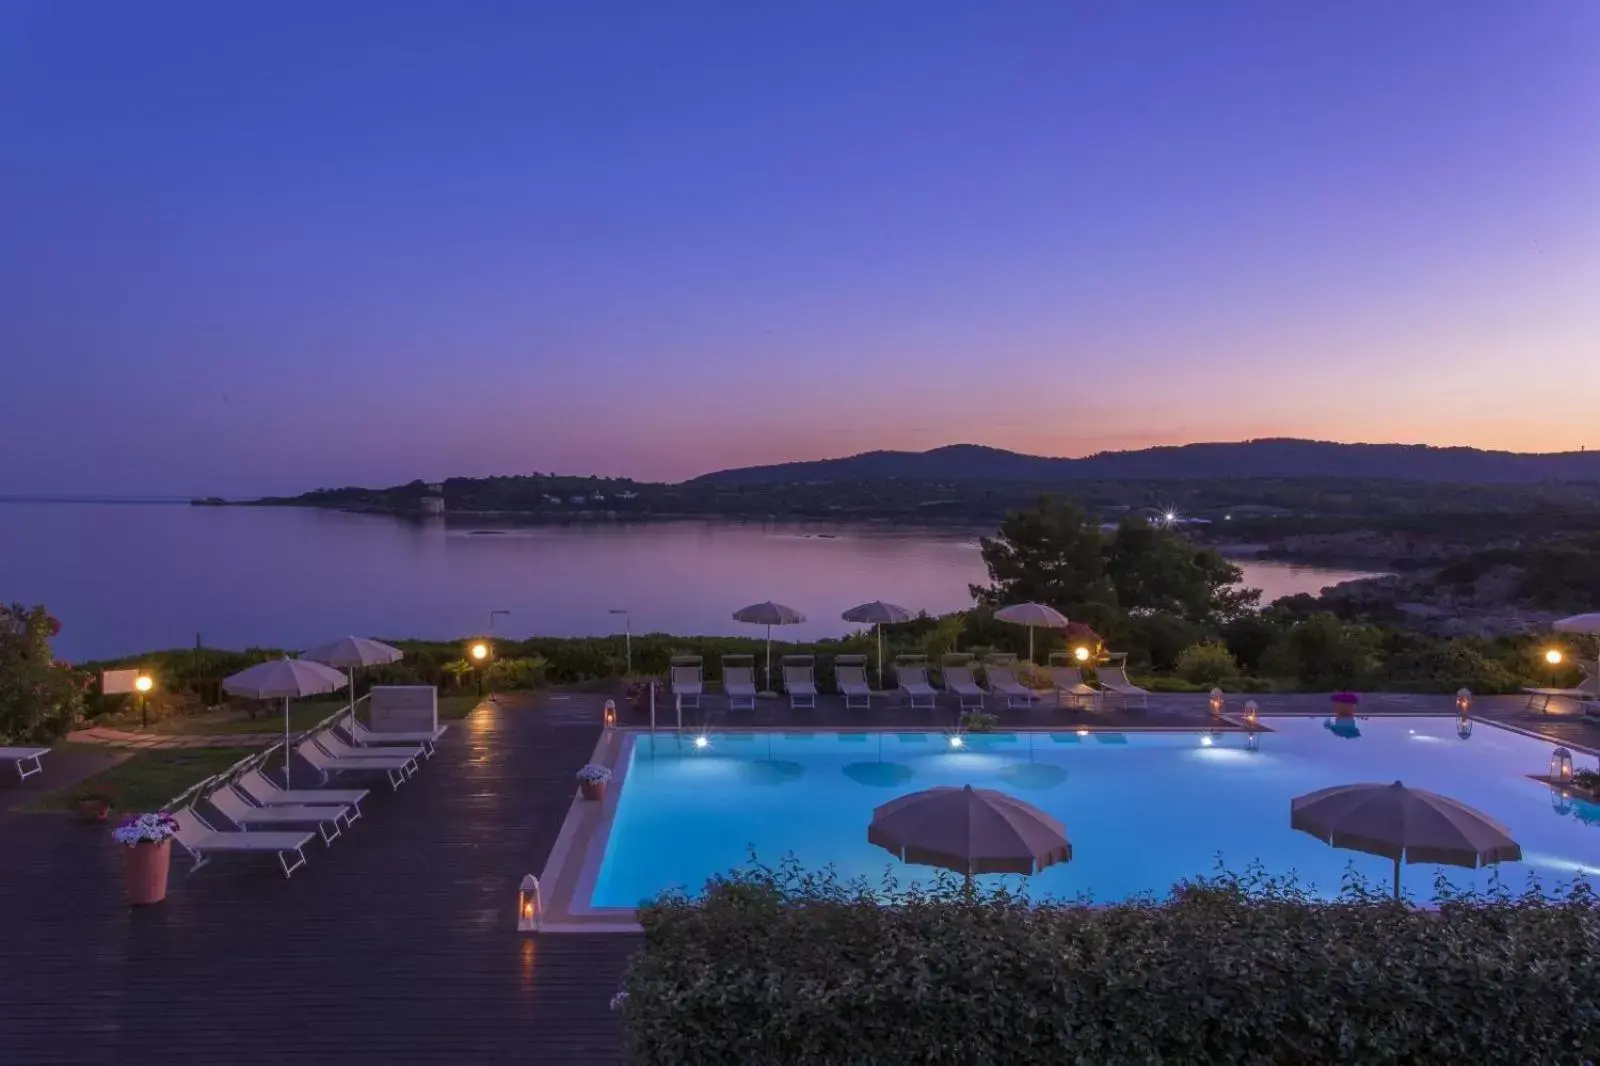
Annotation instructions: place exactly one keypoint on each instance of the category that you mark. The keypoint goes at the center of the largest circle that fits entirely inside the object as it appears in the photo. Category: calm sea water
(132, 577)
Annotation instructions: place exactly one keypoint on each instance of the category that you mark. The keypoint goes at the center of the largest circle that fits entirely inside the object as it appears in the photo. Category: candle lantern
(1252, 712)
(529, 910)
(1561, 765)
(1463, 701)
(1216, 703)
(611, 714)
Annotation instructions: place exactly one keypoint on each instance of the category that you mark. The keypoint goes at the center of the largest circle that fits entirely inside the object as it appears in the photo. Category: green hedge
(782, 968)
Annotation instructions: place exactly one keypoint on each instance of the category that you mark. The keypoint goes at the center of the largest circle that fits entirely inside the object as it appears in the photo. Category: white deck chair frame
(912, 679)
(265, 793)
(202, 832)
(22, 757)
(238, 810)
(1002, 675)
(688, 684)
(739, 682)
(800, 682)
(850, 673)
(1114, 683)
(960, 680)
(328, 766)
(363, 737)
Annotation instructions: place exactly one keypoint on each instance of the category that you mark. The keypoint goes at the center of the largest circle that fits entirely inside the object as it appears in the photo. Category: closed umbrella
(969, 830)
(878, 614)
(1034, 616)
(284, 679)
(351, 652)
(1403, 824)
(769, 614)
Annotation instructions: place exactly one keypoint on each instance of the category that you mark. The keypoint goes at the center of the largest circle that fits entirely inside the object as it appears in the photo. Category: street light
(142, 685)
(480, 655)
(1553, 658)
(627, 634)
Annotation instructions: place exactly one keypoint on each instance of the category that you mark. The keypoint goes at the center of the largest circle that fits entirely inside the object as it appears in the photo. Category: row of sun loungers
(911, 676)
(270, 819)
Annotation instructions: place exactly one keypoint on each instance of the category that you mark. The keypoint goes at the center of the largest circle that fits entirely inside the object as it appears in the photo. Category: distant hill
(1273, 458)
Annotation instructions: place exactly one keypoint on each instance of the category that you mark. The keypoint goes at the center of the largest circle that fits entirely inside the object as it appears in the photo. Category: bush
(1445, 667)
(782, 968)
(1206, 663)
(1324, 653)
(505, 674)
(1159, 638)
(40, 698)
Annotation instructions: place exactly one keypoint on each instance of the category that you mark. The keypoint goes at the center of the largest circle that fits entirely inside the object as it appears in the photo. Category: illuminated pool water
(1142, 810)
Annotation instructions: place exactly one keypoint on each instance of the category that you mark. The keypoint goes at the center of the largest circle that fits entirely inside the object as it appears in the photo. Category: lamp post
(142, 686)
(1553, 659)
(627, 634)
(480, 658)
(1081, 654)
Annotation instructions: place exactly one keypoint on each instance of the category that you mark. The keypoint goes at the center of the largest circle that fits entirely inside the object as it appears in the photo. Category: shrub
(1323, 653)
(1159, 638)
(781, 967)
(1437, 667)
(1206, 663)
(979, 721)
(519, 673)
(40, 698)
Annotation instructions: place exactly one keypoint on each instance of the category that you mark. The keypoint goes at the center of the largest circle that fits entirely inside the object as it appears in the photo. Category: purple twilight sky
(262, 247)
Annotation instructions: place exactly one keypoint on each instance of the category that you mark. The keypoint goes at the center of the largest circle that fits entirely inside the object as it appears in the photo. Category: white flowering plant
(145, 829)
(593, 774)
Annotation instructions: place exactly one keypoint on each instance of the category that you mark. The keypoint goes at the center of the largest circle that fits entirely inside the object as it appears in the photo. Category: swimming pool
(1143, 810)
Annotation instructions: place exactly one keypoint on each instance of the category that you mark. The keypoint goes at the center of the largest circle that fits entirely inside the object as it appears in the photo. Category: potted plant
(637, 692)
(978, 721)
(1344, 704)
(147, 855)
(592, 781)
(93, 802)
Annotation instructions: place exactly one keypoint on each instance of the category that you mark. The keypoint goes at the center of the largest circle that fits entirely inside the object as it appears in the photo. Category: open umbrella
(969, 830)
(284, 679)
(351, 652)
(878, 614)
(1034, 616)
(769, 614)
(1403, 824)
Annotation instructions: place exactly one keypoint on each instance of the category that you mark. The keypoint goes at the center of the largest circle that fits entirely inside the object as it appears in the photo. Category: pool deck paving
(398, 944)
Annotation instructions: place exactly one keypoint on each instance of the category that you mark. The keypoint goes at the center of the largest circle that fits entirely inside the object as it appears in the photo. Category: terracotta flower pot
(92, 810)
(146, 868)
(593, 790)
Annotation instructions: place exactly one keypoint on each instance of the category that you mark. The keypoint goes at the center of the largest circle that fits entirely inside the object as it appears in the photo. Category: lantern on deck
(611, 714)
(1561, 765)
(1252, 712)
(1463, 701)
(529, 906)
(1216, 703)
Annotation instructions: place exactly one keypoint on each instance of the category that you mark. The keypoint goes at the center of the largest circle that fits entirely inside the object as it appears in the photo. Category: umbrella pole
(880, 656)
(286, 743)
(1397, 878)
(1030, 645)
(768, 678)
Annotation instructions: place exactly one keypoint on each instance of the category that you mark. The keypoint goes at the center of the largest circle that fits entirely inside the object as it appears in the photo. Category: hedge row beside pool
(787, 968)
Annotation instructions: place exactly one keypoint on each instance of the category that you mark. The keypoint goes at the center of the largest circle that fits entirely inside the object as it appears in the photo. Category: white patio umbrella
(284, 679)
(1034, 616)
(351, 652)
(769, 614)
(1586, 624)
(878, 614)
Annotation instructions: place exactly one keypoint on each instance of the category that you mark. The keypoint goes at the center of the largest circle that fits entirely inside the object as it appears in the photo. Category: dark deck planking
(397, 946)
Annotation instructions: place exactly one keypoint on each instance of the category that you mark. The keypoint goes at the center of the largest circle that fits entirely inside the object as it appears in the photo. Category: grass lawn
(303, 714)
(147, 779)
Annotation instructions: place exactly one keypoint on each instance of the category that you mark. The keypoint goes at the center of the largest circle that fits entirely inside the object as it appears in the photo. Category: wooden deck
(397, 945)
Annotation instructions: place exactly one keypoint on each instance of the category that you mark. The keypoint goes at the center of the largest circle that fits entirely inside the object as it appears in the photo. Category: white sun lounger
(1069, 685)
(1587, 689)
(333, 745)
(26, 760)
(366, 738)
(687, 685)
(959, 679)
(260, 788)
(739, 682)
(201, 842)
(1114, 683)
(801, 685)
(913, 681)
(236, 810)
(395, 767)
(851, 675)
(1003, 680)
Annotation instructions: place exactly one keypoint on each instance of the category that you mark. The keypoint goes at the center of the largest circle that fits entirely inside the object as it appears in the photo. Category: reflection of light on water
(1423, 737)
(968, 761)
(1226, 756)
(1556, 862)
